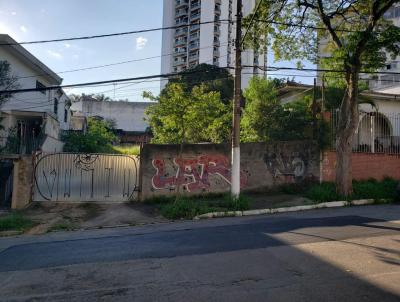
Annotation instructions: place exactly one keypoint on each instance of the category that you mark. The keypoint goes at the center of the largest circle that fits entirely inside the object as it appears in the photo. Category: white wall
(129, 116)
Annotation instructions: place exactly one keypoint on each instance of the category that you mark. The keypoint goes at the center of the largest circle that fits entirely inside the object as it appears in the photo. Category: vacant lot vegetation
(185, 207)
(369, 189)
(15, 222)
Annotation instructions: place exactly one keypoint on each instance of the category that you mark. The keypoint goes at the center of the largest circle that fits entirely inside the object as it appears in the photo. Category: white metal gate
(86, 177)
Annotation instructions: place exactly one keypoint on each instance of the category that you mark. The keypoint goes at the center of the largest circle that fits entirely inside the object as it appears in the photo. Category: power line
(251, 22)
(272, 68)
(112, 64)
(113, 34)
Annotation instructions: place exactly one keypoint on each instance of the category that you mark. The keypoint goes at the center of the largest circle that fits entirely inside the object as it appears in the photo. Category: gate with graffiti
(86, 177)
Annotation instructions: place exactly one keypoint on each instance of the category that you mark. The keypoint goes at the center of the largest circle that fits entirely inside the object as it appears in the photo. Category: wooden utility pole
(235, 177)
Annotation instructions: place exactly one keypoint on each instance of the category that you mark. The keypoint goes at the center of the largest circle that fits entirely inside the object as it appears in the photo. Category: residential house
(129, 117)
(33, 118)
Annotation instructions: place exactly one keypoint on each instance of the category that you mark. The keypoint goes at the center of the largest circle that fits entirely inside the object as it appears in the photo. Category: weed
(368, 189)
(189, 207)
(127, 149)
(15, 221)
(63, 226)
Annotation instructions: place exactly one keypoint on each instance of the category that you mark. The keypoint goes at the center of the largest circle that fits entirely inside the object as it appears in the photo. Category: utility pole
(314, 111)
(235, 177)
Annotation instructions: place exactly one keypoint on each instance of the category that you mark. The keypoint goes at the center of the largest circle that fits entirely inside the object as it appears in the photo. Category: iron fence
(377, 132)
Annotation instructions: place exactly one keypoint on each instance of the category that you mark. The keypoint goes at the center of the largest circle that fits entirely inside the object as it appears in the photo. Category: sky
(29, 20)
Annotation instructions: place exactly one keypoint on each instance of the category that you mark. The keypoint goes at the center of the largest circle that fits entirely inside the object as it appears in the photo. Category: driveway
(347, 254)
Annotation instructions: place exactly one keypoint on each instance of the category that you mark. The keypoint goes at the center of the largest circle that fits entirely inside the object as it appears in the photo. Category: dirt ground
(50, 216)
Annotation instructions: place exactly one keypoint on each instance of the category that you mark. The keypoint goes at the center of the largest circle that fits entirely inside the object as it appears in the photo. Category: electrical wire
(113, 34)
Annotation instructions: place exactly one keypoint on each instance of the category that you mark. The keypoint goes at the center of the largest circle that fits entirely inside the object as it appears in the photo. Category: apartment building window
(65, 115)
(55, 109)
(40, 85)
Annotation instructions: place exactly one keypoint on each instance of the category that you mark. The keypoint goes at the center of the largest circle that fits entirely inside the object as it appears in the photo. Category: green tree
(98, 138)
(211, 77)
(261, 111)
(357, 37)
(181, 117)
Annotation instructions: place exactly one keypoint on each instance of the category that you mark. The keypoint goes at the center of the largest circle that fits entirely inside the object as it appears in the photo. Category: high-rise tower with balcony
(202, 40)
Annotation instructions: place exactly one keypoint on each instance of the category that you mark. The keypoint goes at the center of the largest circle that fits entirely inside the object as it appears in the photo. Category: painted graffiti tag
(292, 166)
(193, 174)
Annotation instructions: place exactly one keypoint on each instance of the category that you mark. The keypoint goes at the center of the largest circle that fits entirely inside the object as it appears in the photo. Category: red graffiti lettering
(193, 173)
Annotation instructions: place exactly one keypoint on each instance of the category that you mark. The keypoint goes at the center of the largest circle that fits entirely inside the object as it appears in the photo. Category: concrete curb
(332, 204)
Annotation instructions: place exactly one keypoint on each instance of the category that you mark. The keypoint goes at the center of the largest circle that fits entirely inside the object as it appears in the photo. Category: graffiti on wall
(193, 174)
(287, 167)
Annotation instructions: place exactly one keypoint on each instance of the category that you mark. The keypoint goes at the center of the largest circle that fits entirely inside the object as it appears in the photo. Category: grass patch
(188, 207)
(15, 222)
(127, 149)
(63, 226)
(369, 189)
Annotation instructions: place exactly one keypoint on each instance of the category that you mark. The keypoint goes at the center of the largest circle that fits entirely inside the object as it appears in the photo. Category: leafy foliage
(187, 117)
(211, 77)
(97, 139)
(265, 118)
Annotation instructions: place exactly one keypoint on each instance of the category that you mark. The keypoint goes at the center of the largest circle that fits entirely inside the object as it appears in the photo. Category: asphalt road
(348, 254)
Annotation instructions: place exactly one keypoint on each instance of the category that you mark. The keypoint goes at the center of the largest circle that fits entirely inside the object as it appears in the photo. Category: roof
(24, 55)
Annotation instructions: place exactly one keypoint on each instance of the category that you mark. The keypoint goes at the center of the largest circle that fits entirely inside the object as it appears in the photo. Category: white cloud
(67, 45)
(54, 54)
(75, 57)
(23, 28)
(13, 13)
(141, 42)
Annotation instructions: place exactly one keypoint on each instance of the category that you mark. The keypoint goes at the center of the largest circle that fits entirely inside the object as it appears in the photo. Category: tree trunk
(348, 122)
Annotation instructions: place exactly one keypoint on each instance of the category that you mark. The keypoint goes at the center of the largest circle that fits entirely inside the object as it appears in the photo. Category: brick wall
(365, 165)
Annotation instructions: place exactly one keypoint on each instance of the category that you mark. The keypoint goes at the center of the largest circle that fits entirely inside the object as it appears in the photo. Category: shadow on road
(237, 258)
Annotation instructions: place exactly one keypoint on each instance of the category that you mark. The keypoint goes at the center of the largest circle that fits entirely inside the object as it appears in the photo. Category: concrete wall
(206, 168)
(364, 165)
(22, 182)
(129, 116)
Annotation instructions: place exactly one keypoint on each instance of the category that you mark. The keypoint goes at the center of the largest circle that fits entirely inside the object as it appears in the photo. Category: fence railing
(377, 132)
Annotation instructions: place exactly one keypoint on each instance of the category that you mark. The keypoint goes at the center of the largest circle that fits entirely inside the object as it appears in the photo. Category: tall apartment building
(211, 43)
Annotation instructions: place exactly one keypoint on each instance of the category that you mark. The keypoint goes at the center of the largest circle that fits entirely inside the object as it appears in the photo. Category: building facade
(200, 40)
(129, 117)
(34, 118)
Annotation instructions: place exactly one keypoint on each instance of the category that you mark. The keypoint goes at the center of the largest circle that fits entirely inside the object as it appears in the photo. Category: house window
(40, 86)
(55, 109)
(65, 115)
